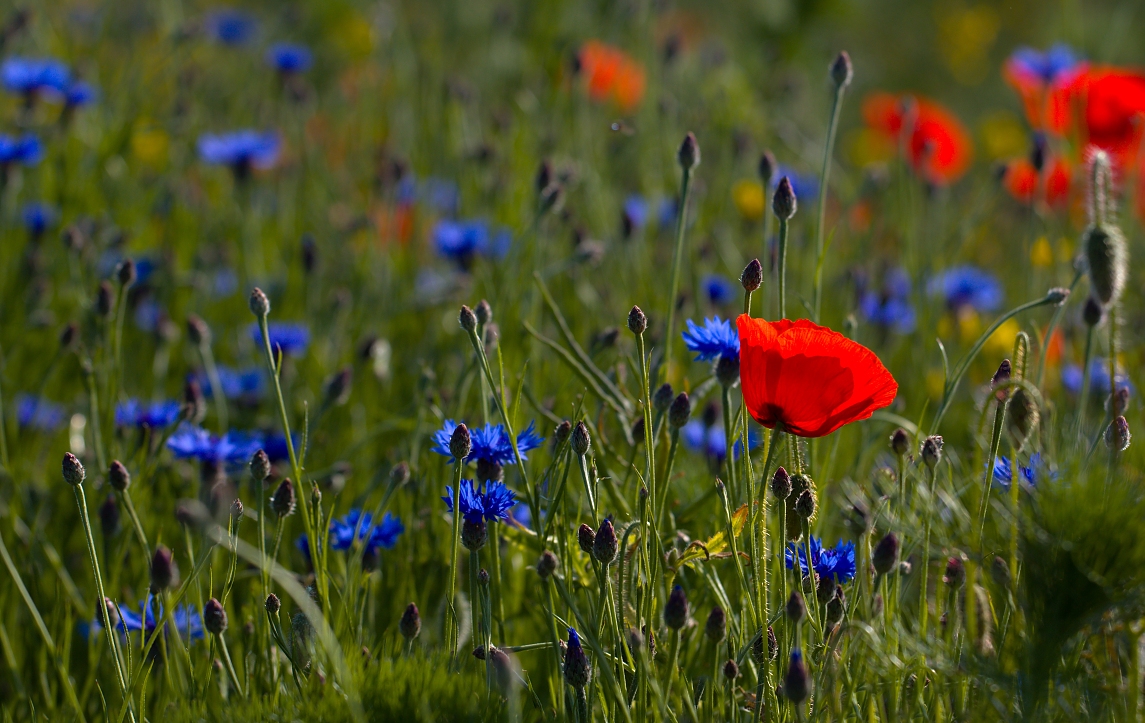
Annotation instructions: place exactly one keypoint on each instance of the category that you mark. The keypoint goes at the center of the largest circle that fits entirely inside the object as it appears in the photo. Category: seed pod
(282, 503)
(752, 276)
(460, 443)
(717, 626)
(797, 682)
(676, 609)
(586, 538)
(605, 546)
(886, 554)
(259, 303)
(680, 411)
(581, 440)
(73, 470)
(637, 321)
(474, 534)
(214, 617)
(784, 203)
(410, 623)
(547, 564)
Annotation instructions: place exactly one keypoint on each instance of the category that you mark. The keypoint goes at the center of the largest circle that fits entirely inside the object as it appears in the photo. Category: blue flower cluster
(289, 58)
(1030, 473)
(188, 621)
(240, 150)
(230, 26)
(720, 290)
(837, 562)
(156, 415)
(25, 150)
(360, 525)
(462, 241)
(1046, 65)
(32, 77)
(715, 339)
(712, 441)
(1073, 375)
(290, 338)
(236, 384)
(189, 441)
(491, 504)
(967, 287)
(890, 308)
(490, 443)
(39, 414)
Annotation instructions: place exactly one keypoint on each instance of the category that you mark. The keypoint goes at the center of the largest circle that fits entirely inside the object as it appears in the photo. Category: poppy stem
(681, 226)
(781, 267)
(828, 151)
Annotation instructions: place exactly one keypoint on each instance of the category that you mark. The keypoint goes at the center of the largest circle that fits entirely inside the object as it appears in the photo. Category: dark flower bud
(784, 202)
(337, 387)
(1117, 435)
(836, 607)
(767, 167)
(273, 604)
(259, 304)
(577, 669)
(504, 670)
(460, 443)
(109, 516)
(259, 466)
(484, 312)
(932, 451)
(1057, 295)
(73, 470)
(214, 617)
(544, 177)
(676, 609)
(125, 272)
(1118, 402)
(1000, 571)
(282, 503)
(955, 573)
(796, 608)
(638, 430)
(237, 509)
(886, 554)
(399, 474)
(727, 371)
(197, 330)
(797, 682)
(581, 441)
(717, 626)
(1038, 151)
(164, 571)
(1105, 251)
(467, 318)
(547, 565)
(731, 670)
(680, 411)
(635, 640)
(805, 504)
(309, 251)
(900, 442)
(689, 154)
(825, 589)
(552, 196)
(118, 476)
(637, 322)
(1001, 379)
(752, 276)
(68, 336)
(1092, 312)
(562, 432)
(605, 545)
(474, 535)
(410, 623)
(483, 577)
(781, 484)
(104, 300)
(662, 397)
(841, 70)
(586, 537)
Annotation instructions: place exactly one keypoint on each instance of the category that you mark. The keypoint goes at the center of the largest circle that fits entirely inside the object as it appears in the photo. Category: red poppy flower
(1110, 102)
(611, 74)
(939, 147)
(1022, 181)
(808, 378)
(1044, 88)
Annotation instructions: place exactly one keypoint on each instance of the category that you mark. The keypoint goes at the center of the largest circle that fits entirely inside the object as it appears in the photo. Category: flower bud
(797, 682)
(237, 509)
(577, 669)
(282, 502)
(483, 577)
(680, 411)
(605, 545)
(781, 484)
(460, 443)
(752, 276)
(932, 451)
(886, 554)
(68, 336)
(259, 304)
(731, 670)
(1117, 435)
(309, 249)
(767, 167)
(544, 177)
(259, 467)
(635, 640)
(484, 312)
(796, 608)
(118, 476)
(1057, 295)
(273, 604)
(164, 571)
(73, 470)
(562, 432)
(805, 504)
(1092, 312)
(1001, 379)
(125, 273)
(198, 333)
(955, 573)
(474, 535)
(836, 607)
(214, 617)
(900, 442)
(547, 565)
(637, 322)
(1023, 414)
(581, 441)
(586, 538)
(337, 387)
(784, 202)
(104, 300)
(676, 609)
(717, 626)
(467, 318)
(1000, 571)
(410, 623)
(689, 154)
(841, 70)
(727, 371)
(662, 398)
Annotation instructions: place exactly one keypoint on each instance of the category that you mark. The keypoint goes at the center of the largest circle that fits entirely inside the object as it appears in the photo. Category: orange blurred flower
(1024, 183)
(938, 146)
(611, 74)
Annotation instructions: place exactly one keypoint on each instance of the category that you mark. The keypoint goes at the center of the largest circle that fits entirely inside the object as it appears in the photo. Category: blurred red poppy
(611, 74)
(808, 378)
(1044, 82)
(938, 146)
(1022, 181)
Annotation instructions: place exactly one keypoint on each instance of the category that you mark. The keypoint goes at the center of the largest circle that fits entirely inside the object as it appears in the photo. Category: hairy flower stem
(677, 258)
(828, 151)
(497, 611)
(452, 628)
(729, 444)
(651, 535)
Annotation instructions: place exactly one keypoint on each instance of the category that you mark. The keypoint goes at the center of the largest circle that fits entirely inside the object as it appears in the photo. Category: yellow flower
(1001, 342)
(1041, 255)
(964, 40)
(1003, 136)
(935, 383)
(354, 36)
(749, 199)
(149, 147)
(969, 324)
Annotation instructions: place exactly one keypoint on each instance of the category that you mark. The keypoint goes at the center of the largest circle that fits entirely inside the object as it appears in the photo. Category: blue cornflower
(1031, 472)
(806, 186)
(38, 217)
(492, 504)
(1072, 376)
(274, 444)
(837, 562)
(720, 290)
(30, 76)
(134, 413)
(25, 149)
(289, 58)
(490, 443)
(963, 286)
(636, 211)
(716, 338)
(187, 620)
(290, 338)
(1045, 65)
(361, 525)
(190, 441)
(241, 150)
(712, 441)
(302, 544)
(236, 383)
(890, 308)
(38, 413)
(231, 27)
(80, 93)
(462, 241)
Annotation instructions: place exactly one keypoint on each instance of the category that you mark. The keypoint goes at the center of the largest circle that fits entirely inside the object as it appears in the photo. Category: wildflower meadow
(655, 360)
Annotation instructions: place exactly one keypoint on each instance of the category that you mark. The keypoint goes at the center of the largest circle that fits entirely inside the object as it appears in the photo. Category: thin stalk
(820, 251)
(924, 605)
(677, 257)
(582, 465)
(498, 611)
(452, 623)
(1083, 399)
(729, 443)
(135, 522)
(995, 443)
(230, 665)
(653, 533)
(474, 607)
(781, 267)
(212, 370)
